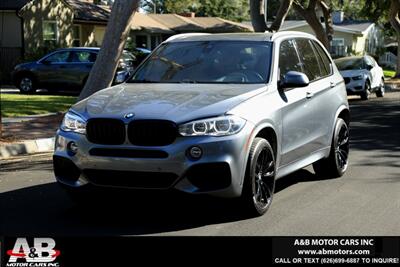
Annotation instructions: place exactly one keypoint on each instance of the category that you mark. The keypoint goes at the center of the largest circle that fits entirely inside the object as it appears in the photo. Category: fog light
(72, 148)
(195, 152)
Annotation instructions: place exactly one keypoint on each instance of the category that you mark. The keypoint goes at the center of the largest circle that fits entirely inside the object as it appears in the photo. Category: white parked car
(362, 76)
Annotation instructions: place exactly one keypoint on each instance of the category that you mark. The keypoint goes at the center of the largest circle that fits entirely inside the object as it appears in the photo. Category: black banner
(124, 251)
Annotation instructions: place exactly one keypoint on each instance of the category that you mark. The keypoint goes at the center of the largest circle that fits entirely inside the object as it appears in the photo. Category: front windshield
(350, 64)
(207, 62)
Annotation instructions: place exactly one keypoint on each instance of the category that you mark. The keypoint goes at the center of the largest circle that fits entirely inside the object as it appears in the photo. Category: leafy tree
(280, 9)
(386, 13)
(169, 6)
(307, 9)
(153, 6)
(237, 10)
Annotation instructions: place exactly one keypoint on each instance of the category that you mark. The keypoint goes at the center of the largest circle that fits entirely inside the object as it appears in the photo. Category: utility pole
(155, 7)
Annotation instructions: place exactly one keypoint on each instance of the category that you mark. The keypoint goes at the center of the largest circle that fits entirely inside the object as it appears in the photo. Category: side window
(83, 57)
(324, 59)
(309, 59)
(288, 58)
(59, 57)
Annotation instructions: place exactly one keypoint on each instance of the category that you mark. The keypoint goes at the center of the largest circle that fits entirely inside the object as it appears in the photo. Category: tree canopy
(236, 10)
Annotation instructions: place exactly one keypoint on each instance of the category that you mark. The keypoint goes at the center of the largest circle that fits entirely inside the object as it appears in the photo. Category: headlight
(359, 77)
(219, 126)
(73, 123)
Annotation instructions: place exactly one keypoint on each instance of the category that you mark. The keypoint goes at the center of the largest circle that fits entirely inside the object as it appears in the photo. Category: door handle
(309, 95)
(333, 84)
(62, 67)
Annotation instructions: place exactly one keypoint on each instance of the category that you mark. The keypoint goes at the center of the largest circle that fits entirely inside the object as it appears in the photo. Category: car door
(297, 114)
(325, 97)
(81, 64)
(49, 69)
(371, 68)
(376, 72)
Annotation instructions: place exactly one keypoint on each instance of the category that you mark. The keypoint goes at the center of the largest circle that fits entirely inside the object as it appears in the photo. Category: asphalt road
(366, 201)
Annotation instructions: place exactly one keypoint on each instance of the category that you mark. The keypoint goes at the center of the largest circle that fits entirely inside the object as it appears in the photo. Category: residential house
(66, 23)
(63, 23)
(150, 30)
(40, 25)
(11, 39)
(350, 37)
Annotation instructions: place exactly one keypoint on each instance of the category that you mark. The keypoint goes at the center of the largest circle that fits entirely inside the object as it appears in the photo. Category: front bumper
(355, 87)
(218, 172)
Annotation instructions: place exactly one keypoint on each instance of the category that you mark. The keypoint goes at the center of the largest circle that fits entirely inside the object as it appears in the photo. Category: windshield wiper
(188, 81)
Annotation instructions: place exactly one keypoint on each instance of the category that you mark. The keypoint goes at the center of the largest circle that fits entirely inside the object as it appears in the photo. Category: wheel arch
(23, 73)
(344, 114)
(268, 133)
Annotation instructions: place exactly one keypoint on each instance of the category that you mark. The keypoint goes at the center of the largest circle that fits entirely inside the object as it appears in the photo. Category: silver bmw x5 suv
(219, 114)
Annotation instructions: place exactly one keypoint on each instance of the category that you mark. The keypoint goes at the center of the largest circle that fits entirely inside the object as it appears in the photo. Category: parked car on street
(66, 68)
(195, 118)
(362, 76)
(140, 54)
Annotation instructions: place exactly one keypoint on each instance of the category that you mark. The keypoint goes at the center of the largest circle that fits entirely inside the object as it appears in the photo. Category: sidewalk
(393, 83)
(28, 135)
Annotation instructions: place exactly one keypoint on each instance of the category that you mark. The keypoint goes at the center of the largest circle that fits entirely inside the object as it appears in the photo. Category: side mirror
(294, 79)
(369, 67)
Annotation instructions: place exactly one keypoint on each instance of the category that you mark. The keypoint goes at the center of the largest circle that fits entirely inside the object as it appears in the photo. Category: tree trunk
(328, 22)
(398, 57)
(394, 12)
(257, 18)
(310, 16)
(283, 10)
(102, 73)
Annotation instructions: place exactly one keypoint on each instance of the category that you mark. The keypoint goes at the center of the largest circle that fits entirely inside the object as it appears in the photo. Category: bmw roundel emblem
(129, 115)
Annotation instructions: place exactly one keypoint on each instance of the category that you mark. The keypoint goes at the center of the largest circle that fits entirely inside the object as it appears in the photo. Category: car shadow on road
(375, 126)
(47, 210)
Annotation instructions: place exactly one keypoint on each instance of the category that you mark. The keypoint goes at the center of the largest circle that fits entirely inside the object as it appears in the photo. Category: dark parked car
(66, 68)
(140, 54)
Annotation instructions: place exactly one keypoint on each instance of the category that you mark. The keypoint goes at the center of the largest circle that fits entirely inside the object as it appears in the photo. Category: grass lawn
(389, 73)
(15, 105)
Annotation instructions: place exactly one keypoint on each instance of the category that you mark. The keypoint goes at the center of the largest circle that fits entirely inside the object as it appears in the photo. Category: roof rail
(173, 37)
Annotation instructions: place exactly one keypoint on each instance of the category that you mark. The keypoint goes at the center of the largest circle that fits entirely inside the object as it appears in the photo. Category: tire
(259, 181)
(26, 84)
(336, 164)
(381, 90)
(367, 91)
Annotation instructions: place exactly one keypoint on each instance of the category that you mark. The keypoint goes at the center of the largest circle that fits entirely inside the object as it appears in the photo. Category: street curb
(27, 147)
(8, 120)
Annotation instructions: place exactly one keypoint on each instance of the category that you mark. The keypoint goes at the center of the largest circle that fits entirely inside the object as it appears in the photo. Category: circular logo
(129, 115)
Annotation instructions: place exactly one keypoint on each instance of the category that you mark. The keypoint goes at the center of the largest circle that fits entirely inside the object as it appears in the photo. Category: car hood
(175, 102)
(24, 65)
(352, 73)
